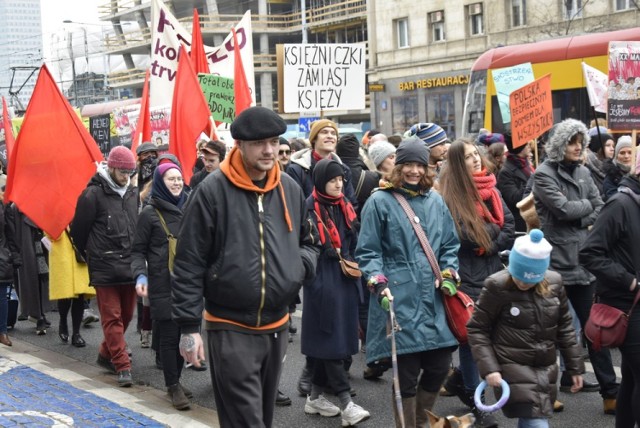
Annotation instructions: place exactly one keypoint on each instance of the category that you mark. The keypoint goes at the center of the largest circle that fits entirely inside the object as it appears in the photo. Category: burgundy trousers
(116, 305)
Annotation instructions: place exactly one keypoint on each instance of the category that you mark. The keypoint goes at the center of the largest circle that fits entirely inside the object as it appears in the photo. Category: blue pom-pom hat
(530, 257)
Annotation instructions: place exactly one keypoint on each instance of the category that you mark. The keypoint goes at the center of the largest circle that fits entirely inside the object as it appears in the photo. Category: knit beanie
(530, 257)
(508, 141)
(146, 147)
(317, 126)
(490, 138)
(623, 142)
(430, 133)
(348, 147)
(257, 123)
(324, 171)
(164, 167)
(284, 141)
(412, 149)
(381, 150)
(598, 140)
(121, 157)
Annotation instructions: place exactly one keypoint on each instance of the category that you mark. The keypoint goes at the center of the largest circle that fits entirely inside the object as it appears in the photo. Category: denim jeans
(4, 307)
(468, 368)
(533, 423)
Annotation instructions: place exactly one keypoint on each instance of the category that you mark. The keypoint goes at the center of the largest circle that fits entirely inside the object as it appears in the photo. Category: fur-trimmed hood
(561, 134)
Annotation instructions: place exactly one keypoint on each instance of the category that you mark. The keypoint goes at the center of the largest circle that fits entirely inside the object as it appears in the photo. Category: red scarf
(325, 223)
(522, 163)
(486, 185)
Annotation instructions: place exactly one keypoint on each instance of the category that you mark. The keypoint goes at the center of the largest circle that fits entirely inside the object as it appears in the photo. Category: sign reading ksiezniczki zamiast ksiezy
(321, 77)
(623, 105)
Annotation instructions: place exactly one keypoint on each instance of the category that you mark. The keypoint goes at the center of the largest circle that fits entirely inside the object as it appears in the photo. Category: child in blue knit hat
(520, 319)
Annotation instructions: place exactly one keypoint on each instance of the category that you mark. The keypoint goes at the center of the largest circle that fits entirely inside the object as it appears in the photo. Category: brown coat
(516, 333)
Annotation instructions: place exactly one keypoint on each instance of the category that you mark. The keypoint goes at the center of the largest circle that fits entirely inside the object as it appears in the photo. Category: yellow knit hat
(317, 126)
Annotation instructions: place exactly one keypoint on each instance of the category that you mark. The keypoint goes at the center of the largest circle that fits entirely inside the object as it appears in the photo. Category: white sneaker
(353, 414)
(321, 406)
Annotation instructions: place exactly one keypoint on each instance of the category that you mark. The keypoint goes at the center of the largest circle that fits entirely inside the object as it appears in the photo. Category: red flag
(143, 127)
(198, 57)
(189, 115)
(8, 129)
(241, 89)
(53, 159)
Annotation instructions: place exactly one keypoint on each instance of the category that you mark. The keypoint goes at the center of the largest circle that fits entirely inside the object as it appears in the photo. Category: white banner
(321, 77)
(167, 36)
(596, 82)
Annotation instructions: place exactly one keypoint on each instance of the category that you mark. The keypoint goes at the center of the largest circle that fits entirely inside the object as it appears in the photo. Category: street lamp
(104, 57)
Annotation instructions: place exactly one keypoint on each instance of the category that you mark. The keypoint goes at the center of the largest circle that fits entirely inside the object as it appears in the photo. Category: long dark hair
(461, 195)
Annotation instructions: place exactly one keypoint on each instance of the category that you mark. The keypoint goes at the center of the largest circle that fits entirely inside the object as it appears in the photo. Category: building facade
(420, 54)
(21, 41)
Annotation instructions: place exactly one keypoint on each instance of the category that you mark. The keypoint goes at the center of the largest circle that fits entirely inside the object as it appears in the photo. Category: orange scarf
(233, 168)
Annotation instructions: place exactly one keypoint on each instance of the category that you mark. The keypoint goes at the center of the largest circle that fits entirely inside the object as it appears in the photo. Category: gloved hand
(450, 281)
(377, 284)
(16, 260)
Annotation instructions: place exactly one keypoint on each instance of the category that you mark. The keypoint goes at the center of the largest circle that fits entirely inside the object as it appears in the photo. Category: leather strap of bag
(164, 225)
(422, 237)
(338, 250)
(359, 185)
(635, 300)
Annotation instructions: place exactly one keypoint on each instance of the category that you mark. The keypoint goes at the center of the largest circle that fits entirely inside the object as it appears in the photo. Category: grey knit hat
(381, 150)
(412, 149)
(623, 142)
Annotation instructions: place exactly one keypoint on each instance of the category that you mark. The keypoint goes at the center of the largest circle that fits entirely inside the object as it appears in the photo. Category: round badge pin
(514, 311)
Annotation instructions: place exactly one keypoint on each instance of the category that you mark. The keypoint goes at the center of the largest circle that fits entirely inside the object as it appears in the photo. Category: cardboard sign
(100, 129)
(323, 77)
(531, 110)
(623, 105)
(506, 80)
(218, 91)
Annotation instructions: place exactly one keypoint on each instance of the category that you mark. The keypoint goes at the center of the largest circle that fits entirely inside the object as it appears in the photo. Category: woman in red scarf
(330, 304)
(485, 227)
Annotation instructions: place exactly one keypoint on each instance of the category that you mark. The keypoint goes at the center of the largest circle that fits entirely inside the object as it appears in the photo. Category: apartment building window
(624, 4)
(441, 110)
(404, 112)
(402, 32)
(476, 19)
(436, 21)
(518, 13)
(572, 9)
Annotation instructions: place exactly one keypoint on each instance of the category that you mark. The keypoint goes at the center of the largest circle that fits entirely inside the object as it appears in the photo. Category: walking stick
(394, 361)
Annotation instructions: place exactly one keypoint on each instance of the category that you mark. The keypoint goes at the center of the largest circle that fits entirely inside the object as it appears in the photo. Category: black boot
(483, 420)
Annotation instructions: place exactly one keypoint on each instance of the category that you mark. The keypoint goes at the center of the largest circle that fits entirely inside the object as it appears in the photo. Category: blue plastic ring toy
(477, 397)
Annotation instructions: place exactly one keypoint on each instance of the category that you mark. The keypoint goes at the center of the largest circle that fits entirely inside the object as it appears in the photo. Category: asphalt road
(581, 410)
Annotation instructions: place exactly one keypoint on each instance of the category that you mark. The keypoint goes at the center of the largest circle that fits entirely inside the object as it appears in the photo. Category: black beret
(257, 123)
(146, 147)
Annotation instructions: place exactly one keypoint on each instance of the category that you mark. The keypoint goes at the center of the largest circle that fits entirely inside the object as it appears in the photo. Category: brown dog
(464, 421)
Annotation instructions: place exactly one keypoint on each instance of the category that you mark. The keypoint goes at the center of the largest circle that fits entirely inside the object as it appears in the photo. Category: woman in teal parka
(390, 255)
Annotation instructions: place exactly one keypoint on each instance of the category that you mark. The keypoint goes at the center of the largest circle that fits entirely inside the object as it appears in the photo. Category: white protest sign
(166, 37)
(321, 77)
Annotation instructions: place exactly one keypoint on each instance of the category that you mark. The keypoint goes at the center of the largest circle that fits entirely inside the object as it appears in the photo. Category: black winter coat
(103, 229)
(6, 264)
(150, 253)
(516, 333)
(611, 251)
(236, 251)
(512, 182)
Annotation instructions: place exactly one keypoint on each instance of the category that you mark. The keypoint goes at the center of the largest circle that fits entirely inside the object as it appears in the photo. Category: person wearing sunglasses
(102, 230)
(284, 153)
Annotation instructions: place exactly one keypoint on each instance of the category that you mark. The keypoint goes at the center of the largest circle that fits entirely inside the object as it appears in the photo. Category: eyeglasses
(126, 171)
(284, 152)
(174, 179)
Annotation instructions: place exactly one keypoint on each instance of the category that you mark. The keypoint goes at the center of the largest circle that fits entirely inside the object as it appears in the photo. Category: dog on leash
(464, 421)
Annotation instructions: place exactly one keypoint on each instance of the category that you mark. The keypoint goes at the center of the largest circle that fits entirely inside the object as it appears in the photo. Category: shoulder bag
(607, 326)
(171, 240)
(459, 307)
(350, 269)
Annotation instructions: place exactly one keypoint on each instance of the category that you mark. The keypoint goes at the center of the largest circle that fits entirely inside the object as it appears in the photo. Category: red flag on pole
(8, 129)
(143, 127)
(189, 115)
(198, 57)
(52, 160)
(241, 89)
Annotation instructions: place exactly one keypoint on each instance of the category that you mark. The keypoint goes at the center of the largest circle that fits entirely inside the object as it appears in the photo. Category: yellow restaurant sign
(434, 82)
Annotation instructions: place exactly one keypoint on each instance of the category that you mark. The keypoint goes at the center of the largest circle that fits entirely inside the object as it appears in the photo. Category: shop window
(404, 113)
(441, 109)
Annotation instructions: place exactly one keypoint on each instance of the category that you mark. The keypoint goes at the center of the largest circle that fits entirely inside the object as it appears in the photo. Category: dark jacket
(245, 263)
(364, 181)
(474, 268)
(301, 170)
(567, 203)
(150, 253)
(595, 166)
(197, 178)
(613, 175)
(611, 252)
(516, 333)
(330, 305)
(512, 182)
(103, 229)
(6, 263)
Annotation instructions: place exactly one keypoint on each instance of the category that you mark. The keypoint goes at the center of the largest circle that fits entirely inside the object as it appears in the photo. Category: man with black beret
(245, 246)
